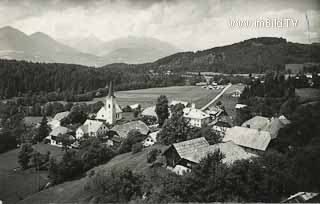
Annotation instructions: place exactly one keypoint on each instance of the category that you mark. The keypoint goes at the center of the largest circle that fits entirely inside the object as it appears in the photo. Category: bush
(137, 147)
(152, 155)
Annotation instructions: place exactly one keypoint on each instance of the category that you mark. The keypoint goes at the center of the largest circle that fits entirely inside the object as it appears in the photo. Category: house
(240, 106)
(173, 103)
(55, 122)
(272, 125)
(111, 112)
(257, 122)
(303, 197)
(92, 128)
(189, 153)
(197, 117)
(181, 153)
(55, 135)
(251, 139)
(135, 106)
(151, 139)
(123, 130)
(236, 94)
(150, 112)
(214, 111)
(221, 127)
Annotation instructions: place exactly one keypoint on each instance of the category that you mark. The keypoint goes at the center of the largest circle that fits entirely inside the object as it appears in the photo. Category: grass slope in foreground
(73, 191)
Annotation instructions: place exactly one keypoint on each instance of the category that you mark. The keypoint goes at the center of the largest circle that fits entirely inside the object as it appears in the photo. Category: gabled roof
(187, 148)
(194, 113)
(124, 129)
(257, 122)
(231, 151)
(60, 116)
(134, 106)
(185, 103)
(239, 106)
(150, 111)
(59, 130)
(84, 128)
(92, 125)
(118, 109)
(247, 137)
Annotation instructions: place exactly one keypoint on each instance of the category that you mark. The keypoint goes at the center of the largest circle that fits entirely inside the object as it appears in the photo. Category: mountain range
(91, 51)
(252, 55)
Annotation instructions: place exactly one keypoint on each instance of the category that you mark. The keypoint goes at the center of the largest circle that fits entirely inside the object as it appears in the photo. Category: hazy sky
(187, 24)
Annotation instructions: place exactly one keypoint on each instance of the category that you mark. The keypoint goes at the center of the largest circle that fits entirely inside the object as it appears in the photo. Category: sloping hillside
(73, 191)
(253, 55)
(15, 184)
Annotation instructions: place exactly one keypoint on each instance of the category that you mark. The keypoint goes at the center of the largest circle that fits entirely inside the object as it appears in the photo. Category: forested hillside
(254, 55)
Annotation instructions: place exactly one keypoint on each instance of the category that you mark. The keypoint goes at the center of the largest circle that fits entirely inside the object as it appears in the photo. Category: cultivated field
(148, 97)
(15, 184)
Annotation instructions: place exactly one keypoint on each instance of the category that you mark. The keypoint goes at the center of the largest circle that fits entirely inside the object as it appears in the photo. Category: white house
(55, 122)
(240, 106)
(92, 128)
(56, 133)
(151, 139)
(150, 112)
(236, 94)
(111, 112)
(197, 117)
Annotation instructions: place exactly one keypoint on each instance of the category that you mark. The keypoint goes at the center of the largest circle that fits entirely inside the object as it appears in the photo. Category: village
(238, 142)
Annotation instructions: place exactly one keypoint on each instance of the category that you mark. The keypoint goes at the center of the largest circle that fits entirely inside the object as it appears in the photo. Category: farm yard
(15, 184)
(148, 97)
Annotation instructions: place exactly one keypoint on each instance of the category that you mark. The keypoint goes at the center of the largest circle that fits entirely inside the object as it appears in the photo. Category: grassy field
(308, 95)
(148, 97)
(74, 192)
(16, 185)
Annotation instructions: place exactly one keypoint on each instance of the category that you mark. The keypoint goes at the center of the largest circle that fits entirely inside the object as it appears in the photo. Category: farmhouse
(151, 139)
(184, 155)
(150, 112)
(173, 103)
(240, 106)
(272, 125)
(92, 128)
(111, 112)
(123, 130)
(197, 117)
(55, 135)
(236, 94)
(57, 119)
(251, 139)
(135, 106)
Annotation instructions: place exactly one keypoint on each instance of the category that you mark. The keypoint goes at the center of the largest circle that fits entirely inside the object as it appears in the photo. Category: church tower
(110, 106)
(111, 112)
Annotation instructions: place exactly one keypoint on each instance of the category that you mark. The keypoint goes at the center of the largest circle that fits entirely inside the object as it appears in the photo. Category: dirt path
(217, 97)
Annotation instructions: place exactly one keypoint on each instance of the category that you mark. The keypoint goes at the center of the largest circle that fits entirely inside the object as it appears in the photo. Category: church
(111, 112)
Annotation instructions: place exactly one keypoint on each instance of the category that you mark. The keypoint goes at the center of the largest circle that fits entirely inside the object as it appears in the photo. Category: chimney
(193, 105)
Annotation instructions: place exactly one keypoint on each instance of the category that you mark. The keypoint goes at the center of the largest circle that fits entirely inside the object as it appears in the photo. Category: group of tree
(28, 157)
(178, 129)
(73, 82)
(74, 163)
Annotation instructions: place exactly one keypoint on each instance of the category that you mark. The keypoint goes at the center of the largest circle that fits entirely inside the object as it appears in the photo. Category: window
(109, 106)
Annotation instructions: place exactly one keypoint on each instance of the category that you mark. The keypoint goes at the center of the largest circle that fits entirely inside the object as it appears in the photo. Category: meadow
(16, 184)
(148, 97)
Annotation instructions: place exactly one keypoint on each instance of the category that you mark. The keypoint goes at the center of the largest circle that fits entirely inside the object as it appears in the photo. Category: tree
(118, 186)
(134, 136)
(177, 128)
(43, 130)
(25, 155)
(152, 155)
(137, 147)
(162, 109)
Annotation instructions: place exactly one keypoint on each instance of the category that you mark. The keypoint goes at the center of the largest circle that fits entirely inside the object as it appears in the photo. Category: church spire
(111, 92)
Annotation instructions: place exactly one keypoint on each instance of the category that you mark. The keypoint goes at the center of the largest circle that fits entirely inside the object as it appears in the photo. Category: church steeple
(111, 91)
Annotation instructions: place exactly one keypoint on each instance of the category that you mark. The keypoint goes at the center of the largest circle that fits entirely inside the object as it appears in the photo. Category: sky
(189, 25)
